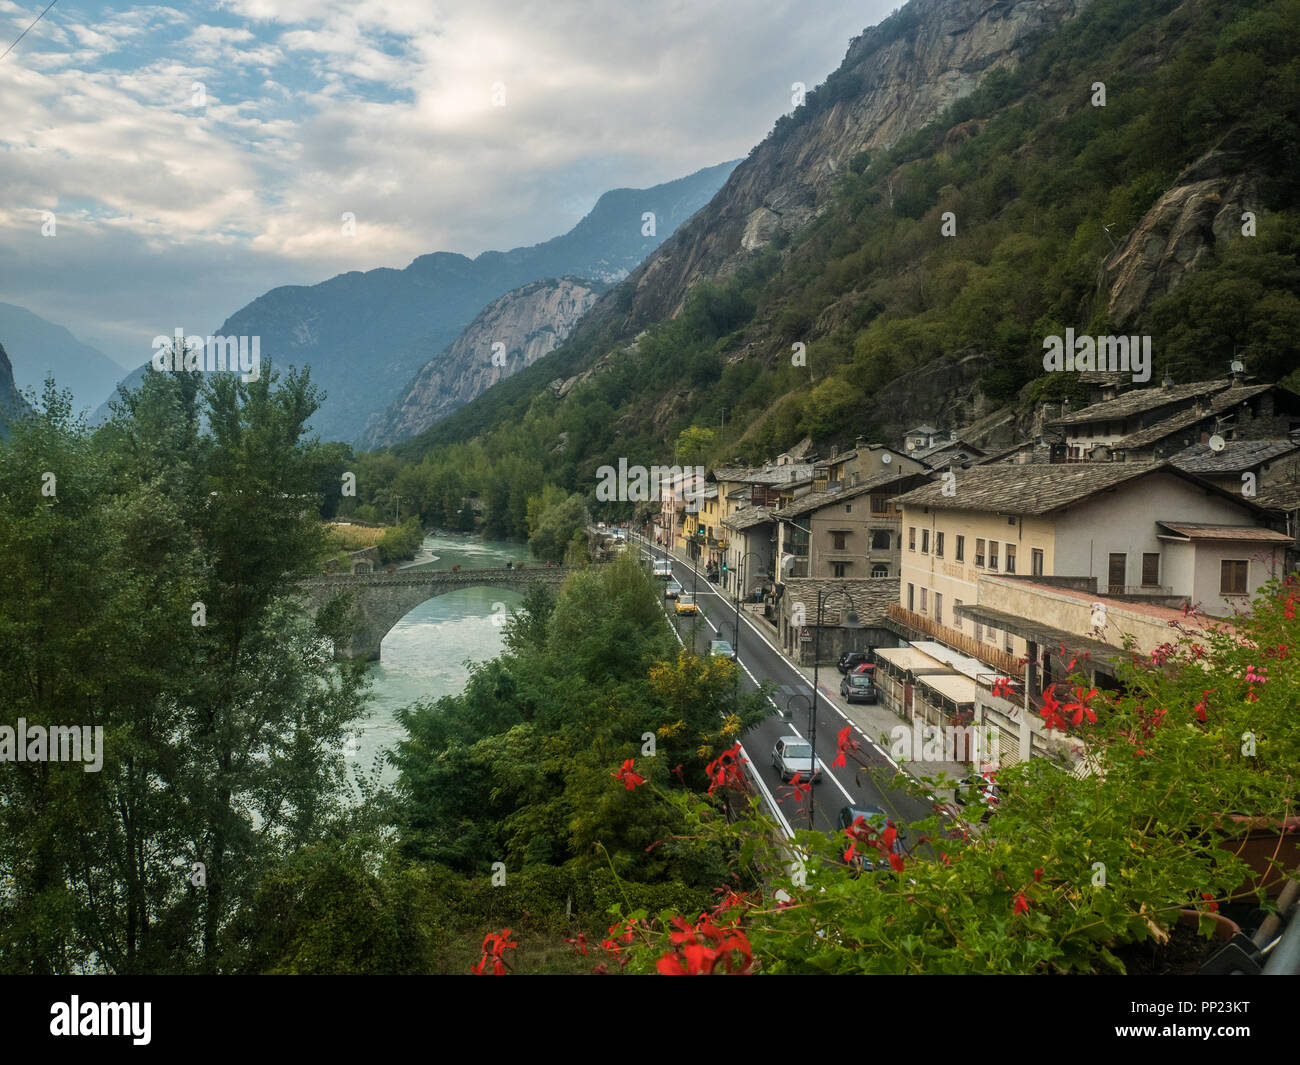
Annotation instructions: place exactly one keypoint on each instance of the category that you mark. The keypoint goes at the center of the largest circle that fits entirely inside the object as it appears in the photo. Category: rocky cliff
(527, 323)
(895, 78)
(12, 404)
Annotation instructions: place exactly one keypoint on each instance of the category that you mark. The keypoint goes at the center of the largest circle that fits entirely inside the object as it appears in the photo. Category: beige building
(1144, 531)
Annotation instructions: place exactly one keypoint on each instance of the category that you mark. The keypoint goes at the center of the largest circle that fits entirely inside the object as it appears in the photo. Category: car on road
(793, 755)
(722, 647)
(686, 604)
(857, 688)
(850, 660)
(977, 791)
(876, 818)
(672, 590)
(663, 569)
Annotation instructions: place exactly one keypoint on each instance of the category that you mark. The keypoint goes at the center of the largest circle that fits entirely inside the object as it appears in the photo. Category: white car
(793, 755)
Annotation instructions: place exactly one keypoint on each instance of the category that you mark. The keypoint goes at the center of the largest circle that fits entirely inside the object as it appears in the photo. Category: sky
(177, 161)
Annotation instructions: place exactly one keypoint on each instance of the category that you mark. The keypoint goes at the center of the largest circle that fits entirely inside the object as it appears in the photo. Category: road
(760, 660)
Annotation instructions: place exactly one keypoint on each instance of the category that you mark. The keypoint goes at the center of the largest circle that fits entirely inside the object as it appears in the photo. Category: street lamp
(851, 621)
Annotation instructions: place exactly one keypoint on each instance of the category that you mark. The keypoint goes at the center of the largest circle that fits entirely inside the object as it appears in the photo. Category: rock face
(1202, 209)
(528, 323)
(366, 334)
(895, 78)
(12, 404)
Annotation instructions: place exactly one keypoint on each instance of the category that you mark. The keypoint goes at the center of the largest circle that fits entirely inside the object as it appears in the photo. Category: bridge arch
(381, 600)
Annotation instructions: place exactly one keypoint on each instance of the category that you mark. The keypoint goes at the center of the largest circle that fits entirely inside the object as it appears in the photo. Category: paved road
(760, 660)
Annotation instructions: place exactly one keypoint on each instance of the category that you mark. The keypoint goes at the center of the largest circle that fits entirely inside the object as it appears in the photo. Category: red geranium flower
(846, 743)
(1021, 906)
(629, 778)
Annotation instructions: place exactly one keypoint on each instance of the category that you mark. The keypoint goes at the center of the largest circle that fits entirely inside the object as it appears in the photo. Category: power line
(24, 33)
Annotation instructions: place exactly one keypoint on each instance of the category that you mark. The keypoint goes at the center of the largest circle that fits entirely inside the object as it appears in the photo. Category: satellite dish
(1237, 366)
(1216, 442)
(886, 459)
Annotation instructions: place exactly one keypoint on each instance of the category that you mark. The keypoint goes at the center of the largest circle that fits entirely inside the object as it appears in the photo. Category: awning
(1037, 632)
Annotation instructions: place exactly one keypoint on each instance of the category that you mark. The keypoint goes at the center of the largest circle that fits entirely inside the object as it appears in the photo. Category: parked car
(672, 589)
(850, 660)
(857, 688)
(793, 755)
(686, 604)
(722, 647)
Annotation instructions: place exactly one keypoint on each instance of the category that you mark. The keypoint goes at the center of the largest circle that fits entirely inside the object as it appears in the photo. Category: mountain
(12, 404)
(365, 335)
(40, 348)
(973, 179)
(528, 322)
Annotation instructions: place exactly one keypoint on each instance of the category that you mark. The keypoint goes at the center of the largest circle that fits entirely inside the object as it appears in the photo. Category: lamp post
(851, 621)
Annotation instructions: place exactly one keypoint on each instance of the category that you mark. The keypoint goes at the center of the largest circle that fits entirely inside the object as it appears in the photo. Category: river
(423, 657)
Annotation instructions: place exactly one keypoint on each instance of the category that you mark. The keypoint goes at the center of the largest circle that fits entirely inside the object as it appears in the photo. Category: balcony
(960, 641)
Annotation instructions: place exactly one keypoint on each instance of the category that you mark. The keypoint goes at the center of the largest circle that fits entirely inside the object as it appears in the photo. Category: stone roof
(791, 473)
(747, 518)
(1031, 488)
(1140, 400)
(1200, 530)
(817, 500)
(1156, 432)
(1285, 496)
(1236, 455)
(945, 445)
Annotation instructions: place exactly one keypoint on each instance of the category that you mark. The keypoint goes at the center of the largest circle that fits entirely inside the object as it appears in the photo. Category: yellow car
(686, 604)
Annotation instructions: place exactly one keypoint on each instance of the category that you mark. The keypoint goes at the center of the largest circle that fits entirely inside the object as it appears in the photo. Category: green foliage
(400, 543)
(557, 527)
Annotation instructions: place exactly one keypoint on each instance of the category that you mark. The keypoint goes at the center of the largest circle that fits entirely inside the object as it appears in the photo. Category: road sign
(805, 633)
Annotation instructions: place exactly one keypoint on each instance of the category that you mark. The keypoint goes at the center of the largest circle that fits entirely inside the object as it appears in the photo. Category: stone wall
(797, 609)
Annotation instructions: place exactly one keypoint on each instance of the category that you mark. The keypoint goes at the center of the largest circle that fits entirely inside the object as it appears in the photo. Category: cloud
(315, 107)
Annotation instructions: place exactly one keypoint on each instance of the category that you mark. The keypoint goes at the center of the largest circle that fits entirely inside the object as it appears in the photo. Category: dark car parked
(850, 660)
(876, 818)
(857, 688)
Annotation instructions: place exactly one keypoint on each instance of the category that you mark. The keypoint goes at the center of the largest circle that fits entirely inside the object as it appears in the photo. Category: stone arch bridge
(381, 600)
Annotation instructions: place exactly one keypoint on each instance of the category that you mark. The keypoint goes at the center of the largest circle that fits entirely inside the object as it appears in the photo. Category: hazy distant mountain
(12, 405)
(366, 335)
(37, 348)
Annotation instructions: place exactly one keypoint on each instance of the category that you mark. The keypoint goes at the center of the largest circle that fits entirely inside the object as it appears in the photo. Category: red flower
(579, 943)
(494, 946)
(1080, 705)
(1002, 687)
(846, 743)
(800, 790)
(724, 771)
(1051, 711)
(702, 947)
(629, 778)
(1038, 875)
(1021, 906)
(1212, 906)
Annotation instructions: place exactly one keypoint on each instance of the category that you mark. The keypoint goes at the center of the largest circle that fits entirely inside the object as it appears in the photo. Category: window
(978, 632)
(938, 608)
(1232, 577)
(838, 569)
(1036, 562)
(1010, 645)
(911, 597)
(1118, 568)
(961, 548)
(992, 636)
(1150, 569)
(956, 618)
(925, 541)
(837, 540)
(879, 505)
(993, 555)
(880, 570)
(924, 593)
(1011, 558)
(938, 545)
(911, 537)
(979, 552)
(879, 540)
(1011, 519)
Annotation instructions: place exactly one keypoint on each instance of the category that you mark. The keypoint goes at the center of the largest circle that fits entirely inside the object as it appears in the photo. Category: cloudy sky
(196, 155)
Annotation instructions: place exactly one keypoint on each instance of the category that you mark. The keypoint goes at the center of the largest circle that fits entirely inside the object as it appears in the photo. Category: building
(1144, 531)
